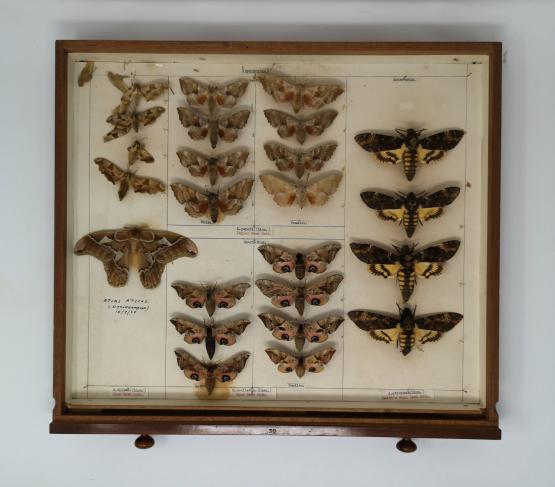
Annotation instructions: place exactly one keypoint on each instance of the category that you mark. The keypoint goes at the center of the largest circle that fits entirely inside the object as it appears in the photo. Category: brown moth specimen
(288, 362)
(284, 260)
(286, 192)
(404, 263)
(215, 205)
(86, 73)
(148, 250)
(405, 330)
(409, 148)
(127, 179)
(287, 159)
(301, 127)
(313, 331)
(209, 372)
(124, 122)
(221, 127)
(284, 294)
(214, 95)
(223, 165)
(299, 95)
(210, 296)
(211, 334)
(410, 209)
(137, 152)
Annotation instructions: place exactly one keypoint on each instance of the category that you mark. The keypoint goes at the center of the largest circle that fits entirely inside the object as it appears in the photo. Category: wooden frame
(481, 424)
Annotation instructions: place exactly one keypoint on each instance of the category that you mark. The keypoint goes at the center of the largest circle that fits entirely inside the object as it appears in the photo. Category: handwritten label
(408, 395)
(299, 222)
(128, 391)
(254, 71)
(295, 385)
(127, 306)
(404, 78)
(254, 231)
(253, 392)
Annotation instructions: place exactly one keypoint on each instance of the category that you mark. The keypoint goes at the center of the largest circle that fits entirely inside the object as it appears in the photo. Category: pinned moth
(299, 95)
(223, 165)
(285, 192)
(216, 127)
(211, 94)
(148, 250)
(300, 127)
(288, 362)
(211, 333)
(410, 209)
(285, 261)
(299, 161)
(137, 152)
(215, 205)
(209, 296)
(284, 294)
(86, 73)
(312, 331)
(404, 263)
(409, 148)
(406, 329)
(210, 372)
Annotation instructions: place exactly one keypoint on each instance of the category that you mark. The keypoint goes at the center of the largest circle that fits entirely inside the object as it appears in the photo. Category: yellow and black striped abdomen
(410, 220)
(410, 160)
(407, 279)
(406, 341)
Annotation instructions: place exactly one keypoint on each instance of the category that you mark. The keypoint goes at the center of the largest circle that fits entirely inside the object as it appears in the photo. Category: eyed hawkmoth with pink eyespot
(223, 165)
(210, 372)
(86, 73)
(312, 331)
(409, 148)
(410, 209)
(299, 95)
(287, 362)
(214, 95)
(215, 205)
(284, 260)
(137, 152)
(404, 263)
(406, 329)
(284, 294)
(209, 296)
(148, 250)
(287, 159)
(211, 333)
(300, 127)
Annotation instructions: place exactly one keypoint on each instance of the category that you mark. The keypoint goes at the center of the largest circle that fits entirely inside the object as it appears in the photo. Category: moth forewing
(137, 152)
(86, 73)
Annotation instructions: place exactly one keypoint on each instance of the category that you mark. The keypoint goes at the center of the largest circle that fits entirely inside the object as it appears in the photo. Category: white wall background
(29, 456)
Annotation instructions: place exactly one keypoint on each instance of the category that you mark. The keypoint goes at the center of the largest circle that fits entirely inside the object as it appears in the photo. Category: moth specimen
(313, 331)
(210, 296)
(301, 127)
(224, 165)
(210, 372)
(404, 263)
(286, 192)
(126, 179)
(86, 73)
(410, 209)
(210, 334)
(215, 205)
(299, 95)
(137, 152)
(284, 294)
(284, 260)
(288, 362)
(287, 159)
(409, 148)
(216, 127)
(406, 329)
(148, 250)
(211, 94)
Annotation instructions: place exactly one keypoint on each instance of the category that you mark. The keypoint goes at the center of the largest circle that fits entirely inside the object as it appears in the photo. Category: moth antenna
(398, 249)
(401, 131)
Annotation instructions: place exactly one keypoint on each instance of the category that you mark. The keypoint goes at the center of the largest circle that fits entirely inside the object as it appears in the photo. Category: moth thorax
(299, 266)
(406, 256)
(299, 369)
(213, 206)
(411, 201)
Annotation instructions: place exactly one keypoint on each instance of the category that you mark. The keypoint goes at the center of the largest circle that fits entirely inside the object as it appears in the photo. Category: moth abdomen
(406, 341)
(407, 281)
(410, 158)
(300, 267)
(210, 342)
(299, 303)
(410, 221)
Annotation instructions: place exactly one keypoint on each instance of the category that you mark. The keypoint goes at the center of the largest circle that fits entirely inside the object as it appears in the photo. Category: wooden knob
(144, 442)
(406, 445)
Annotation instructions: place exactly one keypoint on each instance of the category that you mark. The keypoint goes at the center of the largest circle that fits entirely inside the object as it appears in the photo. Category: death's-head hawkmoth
(216, 127)
(211, 94)
(406, 329)
(287, 362)
(408, 147)
(284, 260)
(404, 263)
(287, 159)
(285, 192)
(223, 165)
(211, 372)
(410, 209)
(137, 152)
(312, 331)
(211, 334)
(300, 127)
(86, 73)
(126, 179)
(215, 205)
(299, 95)
(284, 294)
(149, 250)
(209, 296)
